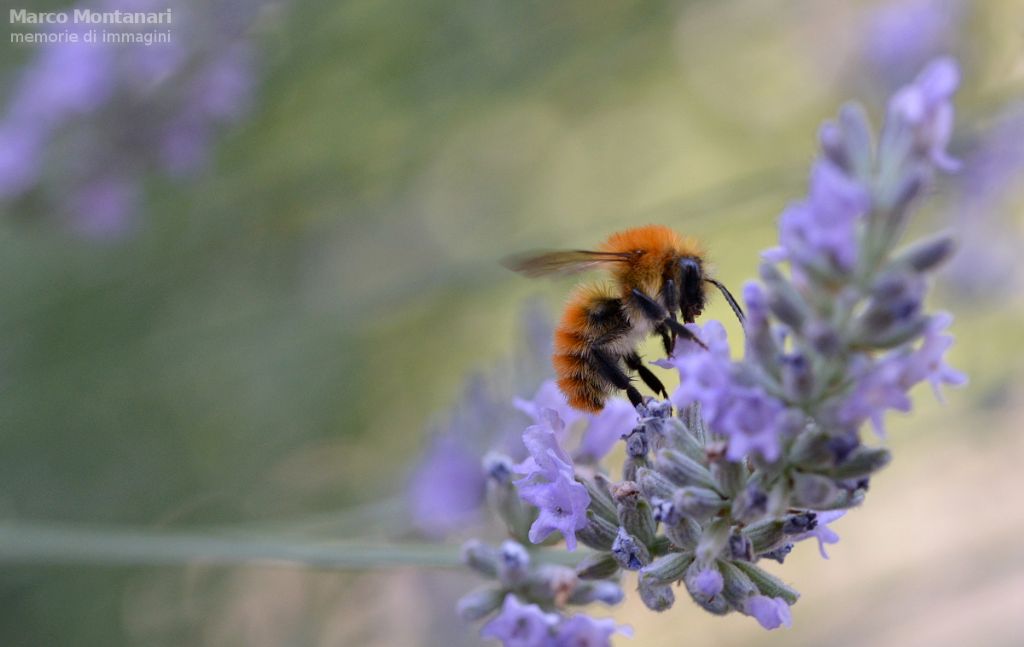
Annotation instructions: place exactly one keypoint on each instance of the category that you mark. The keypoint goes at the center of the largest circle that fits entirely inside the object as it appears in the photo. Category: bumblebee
(657, 276)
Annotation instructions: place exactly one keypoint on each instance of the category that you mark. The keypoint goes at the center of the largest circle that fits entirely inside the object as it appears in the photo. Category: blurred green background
(268, 348)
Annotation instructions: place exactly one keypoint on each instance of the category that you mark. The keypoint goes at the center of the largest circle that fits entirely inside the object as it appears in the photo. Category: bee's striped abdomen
(593, 318)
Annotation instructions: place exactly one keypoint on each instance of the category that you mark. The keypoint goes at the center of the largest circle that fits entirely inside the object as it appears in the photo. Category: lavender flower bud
(597, 566)
(797, 380)
(729, 475)
(653, 485)
(704, 584)
(683, 470)
(813, 490)
(816, 451)
(601, 502)
(631, 465)
(634, 513)
(599, 533)
(513, 563)
(740, 547)
(685, 440)
(698, 503)
(479, 603)
(602, 591)
(737, 586)
(823, 338)
(783, 300)
(667, 568)
(656, 597)
(684, 533)
(504, 498)
(629, 552)
(863, 461)
(779, 554)
(800, 523)
(893, 315)
(480, 557)
(926, 254)
(498, 467)
(778, 499)
(695, 424)
(766, 535)
(636, 442)
(767, 583)
(750, 505)
(830, 138)
(853, 121)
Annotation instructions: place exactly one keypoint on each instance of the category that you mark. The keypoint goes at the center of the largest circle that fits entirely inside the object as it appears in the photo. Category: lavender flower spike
(750, 457)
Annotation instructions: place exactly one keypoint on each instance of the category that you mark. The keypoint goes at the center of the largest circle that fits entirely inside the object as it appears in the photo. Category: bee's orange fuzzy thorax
(654, 239)
(655, 247)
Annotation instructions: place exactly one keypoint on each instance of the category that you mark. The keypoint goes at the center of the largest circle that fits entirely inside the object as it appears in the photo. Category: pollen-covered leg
(634, 362)
(607, 365)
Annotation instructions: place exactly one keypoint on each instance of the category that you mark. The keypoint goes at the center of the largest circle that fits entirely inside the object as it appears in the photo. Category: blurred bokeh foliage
(275, 335)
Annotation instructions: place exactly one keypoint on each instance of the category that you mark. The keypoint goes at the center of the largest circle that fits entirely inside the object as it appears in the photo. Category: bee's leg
(728, 297)
(634, 362)
(657, 314)
(607, 366)
(671, 296)
(667, 339)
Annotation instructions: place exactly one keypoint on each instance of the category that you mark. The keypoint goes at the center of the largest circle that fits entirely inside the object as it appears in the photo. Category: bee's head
(691, 287)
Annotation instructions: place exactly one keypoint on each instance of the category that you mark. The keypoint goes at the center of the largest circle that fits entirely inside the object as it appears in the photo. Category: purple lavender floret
(771, 613)
(753, 421)
(924, 107)
(821, 531)
(549, 484)
(521, 625)
(584, 631)
(600, 431)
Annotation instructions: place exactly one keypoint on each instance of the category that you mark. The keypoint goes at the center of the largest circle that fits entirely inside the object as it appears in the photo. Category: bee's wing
(561, 262)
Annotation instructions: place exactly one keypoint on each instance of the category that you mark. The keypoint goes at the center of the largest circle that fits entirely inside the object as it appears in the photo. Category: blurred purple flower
(885, 384)
(772, 613)
(20, 152)
(104, 208)
(989, 238)
(171, 97)
(821, 531)
(447, 488)
(583, 631)
(924, 106)
(902, 35)
(521, 625)
(818, 232)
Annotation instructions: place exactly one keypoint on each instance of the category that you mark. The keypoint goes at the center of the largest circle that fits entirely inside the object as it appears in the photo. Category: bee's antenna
(728, 297)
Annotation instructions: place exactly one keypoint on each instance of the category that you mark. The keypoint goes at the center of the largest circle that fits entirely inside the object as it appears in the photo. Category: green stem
(42, 543)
